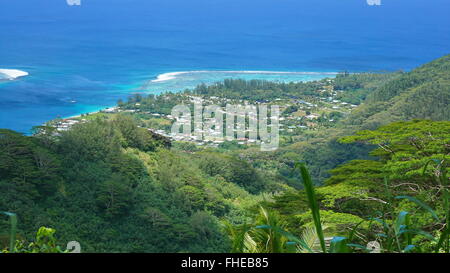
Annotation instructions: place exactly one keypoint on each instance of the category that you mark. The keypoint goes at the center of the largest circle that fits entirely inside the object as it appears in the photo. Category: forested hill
(423, 93)
(115, 187)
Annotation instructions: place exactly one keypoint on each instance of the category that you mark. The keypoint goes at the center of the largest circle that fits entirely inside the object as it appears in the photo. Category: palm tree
(268, 235)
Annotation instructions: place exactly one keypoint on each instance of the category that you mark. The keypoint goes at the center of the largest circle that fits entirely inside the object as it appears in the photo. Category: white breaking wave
(173, 75)
(168, 76)
(12, 74)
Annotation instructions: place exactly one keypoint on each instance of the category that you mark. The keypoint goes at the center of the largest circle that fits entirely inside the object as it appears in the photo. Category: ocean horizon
(84, 58)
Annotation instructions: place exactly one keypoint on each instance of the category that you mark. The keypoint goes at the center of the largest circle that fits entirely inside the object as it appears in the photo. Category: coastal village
(296, 116)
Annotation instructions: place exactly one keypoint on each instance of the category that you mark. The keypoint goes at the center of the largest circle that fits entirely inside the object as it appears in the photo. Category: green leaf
(401, 221)
(312, 201)
(418, 232)
(291, 247)
(13, 220)
(442, 238)
(358, 246)
(353, 231)
(409, 248)
(339, 245)
(420, 204)
(286, 234)
(378, 220)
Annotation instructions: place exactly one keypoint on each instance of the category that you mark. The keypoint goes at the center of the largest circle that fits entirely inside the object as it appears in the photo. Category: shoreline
(163, 77)
(90, 113)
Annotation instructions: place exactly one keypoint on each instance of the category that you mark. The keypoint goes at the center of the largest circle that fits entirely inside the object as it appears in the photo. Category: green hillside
(423, 93)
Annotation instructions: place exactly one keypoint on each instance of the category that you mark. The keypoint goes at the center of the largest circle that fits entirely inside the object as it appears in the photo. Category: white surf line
(172, 75)
(169, 76)
(12, 74)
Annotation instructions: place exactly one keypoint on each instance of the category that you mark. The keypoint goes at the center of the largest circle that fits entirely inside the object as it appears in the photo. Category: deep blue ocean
(82, 58)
